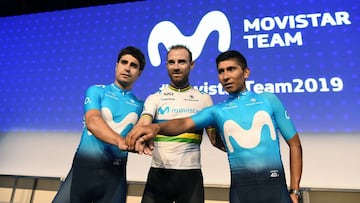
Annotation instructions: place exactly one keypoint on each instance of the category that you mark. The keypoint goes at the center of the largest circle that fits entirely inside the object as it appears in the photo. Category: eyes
(227, 69)
(125, 62)
(180, 62)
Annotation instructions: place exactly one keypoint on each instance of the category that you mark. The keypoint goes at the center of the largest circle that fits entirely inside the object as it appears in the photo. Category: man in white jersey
(175, 174)
(250, 126)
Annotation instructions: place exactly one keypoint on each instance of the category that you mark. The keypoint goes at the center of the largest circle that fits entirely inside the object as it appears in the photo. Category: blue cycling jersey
(249, 124)
(120, 109)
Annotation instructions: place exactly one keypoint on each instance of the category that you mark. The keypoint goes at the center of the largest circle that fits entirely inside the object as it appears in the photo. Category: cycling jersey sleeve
(204, 118)
(93, 97)
(285, 125)
(208, 101)
(150, 105)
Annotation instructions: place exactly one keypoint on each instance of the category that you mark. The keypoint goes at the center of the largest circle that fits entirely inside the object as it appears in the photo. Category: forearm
(175, 126)
(100, 129)
(215, 139)
(295, 166)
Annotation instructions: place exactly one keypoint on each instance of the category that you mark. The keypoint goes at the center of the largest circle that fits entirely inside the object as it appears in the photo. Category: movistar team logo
(248, 138)
(164, 110)
(212, 21)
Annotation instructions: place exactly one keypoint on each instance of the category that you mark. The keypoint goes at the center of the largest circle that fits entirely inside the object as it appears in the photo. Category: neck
(179, 85)
(123, 86)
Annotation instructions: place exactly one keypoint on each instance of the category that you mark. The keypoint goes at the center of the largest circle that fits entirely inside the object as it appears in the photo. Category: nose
(225, 75)
(127, 67)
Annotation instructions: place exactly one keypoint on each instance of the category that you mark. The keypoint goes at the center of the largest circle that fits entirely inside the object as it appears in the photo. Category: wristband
(295, 191)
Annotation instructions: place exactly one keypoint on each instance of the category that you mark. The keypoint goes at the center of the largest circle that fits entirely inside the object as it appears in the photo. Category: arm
(100, 129)
(288, 131)
(142, 133)
(295, 164)
(145, 119)
(147, 146)
(215, 139)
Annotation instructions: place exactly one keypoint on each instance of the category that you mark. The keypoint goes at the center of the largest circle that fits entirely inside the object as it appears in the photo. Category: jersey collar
(119, 89)
(179, 89)
(238, 95)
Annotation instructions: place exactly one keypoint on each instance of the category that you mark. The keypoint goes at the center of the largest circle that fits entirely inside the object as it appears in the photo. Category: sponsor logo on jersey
(164, 110)
(274, 173)
(248, 138)
(230, 105)
(87, 100)
(191, 98)
(167, 110)
(132, 103)
(287, 115)
(168, 94)
(112, 95)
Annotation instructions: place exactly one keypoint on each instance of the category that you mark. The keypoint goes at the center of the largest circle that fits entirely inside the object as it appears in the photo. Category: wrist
(297, 192)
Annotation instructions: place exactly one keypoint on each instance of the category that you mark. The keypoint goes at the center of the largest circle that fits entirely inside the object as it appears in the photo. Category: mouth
(176, 75)
(227, 85)
(126, 75)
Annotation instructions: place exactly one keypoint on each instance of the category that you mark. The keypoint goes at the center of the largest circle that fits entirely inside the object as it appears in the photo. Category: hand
(149, 147)
(144, 147)
(121, 144)
(141, 133)
(294, 198)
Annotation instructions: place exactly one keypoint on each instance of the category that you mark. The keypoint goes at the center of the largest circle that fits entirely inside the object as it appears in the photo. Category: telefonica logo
(212, 21)
(164, 110)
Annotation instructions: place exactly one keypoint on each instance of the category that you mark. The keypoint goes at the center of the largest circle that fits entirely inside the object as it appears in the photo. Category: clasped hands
(140, 138)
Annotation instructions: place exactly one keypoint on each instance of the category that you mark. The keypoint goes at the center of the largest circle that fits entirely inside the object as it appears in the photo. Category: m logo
(167, 33)
(164, 111)
(248, 138)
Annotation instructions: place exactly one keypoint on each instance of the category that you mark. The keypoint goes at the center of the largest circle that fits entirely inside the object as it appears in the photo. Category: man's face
(231, 76)
(127, 71)
(178, 66)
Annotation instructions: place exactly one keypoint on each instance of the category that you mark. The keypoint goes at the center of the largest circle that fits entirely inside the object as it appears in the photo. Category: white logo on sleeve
(167, 33)
(118, 127)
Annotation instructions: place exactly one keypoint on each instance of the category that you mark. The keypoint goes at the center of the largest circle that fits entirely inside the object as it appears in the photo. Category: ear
(192, 65)
(116, 66)
(246, 73)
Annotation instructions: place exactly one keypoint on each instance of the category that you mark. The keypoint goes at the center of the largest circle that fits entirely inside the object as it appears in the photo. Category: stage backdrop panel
(304, 51)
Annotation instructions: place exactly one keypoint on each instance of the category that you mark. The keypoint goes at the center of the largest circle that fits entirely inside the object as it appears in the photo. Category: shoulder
(135, 98)
(262, 95)
(268, 95)
(97, 87)
(94, 89)
(199, 91)
(156, 94)
(271, 99)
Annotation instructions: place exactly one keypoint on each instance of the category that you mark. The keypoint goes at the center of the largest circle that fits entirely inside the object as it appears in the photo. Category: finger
(139, 147)
(147, 150)
(130, 140)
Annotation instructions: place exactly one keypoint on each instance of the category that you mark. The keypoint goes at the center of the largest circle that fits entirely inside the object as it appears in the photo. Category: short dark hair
(180, 46)
(232, 54)
(135, 52)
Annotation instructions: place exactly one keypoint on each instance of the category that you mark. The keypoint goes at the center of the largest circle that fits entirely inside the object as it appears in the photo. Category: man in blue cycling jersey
(249, 126)
(98, 172)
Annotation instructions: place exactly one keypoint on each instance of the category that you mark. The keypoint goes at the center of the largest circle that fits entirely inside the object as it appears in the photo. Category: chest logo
(164, 110)
(248, 138)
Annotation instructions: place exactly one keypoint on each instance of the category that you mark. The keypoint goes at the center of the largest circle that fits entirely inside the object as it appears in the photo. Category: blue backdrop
(307, 52)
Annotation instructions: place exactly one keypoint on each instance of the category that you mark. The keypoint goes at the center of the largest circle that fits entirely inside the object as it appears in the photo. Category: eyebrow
(124, 61)
(179, 60)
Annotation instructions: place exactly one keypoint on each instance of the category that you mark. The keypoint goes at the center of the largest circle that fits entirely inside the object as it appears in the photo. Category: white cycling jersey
(181, 151)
